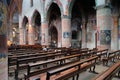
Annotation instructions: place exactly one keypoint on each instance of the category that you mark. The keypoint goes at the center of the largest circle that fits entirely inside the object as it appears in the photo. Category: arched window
(31, 3)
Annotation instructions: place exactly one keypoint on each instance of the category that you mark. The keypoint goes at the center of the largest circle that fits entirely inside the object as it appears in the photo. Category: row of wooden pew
(113, 71)
(23, 59)
(56, 62)
(14, 47)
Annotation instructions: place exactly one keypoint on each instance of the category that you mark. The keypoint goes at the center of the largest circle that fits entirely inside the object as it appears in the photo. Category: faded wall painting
(89, 36)
(105, 37)
(66, 35)
(3, 41)
(3, 13)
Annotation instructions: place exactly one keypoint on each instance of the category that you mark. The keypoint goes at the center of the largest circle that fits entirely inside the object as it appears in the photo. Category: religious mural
(3, 28)
(119, 29)
(66, 34)
(3, 41)
(105, 37)
(89, 36)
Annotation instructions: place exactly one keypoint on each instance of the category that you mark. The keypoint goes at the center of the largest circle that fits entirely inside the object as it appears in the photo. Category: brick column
(3, 43)
(115, 44)
(31, 34)
(104, 22)
(44, 33)
(66, 31)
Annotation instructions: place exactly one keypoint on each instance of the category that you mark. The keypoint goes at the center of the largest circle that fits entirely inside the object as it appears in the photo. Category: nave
(59, 39)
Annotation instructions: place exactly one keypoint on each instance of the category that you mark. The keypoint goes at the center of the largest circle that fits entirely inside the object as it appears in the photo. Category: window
(31, 3)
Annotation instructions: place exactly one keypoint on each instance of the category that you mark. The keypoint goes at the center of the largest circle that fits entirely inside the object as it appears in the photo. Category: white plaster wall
(47, 3)
(42, 7)
(100, 2)
(65, 7)
(91, 43)
(28, 11)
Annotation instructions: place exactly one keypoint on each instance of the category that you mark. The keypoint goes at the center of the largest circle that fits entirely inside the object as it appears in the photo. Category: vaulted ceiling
(13, 6)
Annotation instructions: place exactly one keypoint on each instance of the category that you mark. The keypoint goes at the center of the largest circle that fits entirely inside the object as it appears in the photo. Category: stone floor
(83, 76)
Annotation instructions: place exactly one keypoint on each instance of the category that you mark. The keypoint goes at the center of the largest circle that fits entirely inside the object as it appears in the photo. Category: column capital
(44, 20)
(65, 16)
(103, 6)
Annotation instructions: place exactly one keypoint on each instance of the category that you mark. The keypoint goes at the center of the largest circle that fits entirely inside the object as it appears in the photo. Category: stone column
(59, 38)
(119, 32)
(22, 36)
(44, 33)
(66, 31)
(22, 31)
(104, 22)
(3, 42)
(84, 32)
(3, 57)
(114, 43)
(31, 33)
(10, 35)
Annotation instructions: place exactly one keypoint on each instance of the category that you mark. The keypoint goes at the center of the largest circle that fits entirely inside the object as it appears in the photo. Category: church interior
(59, 39)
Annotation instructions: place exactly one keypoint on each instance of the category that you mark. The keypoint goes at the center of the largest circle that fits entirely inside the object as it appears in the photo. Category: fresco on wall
(119, 28)
(105, 37)
(3, 41)
(66, 34)
(3, 12)
(119, 32)
(89, 36)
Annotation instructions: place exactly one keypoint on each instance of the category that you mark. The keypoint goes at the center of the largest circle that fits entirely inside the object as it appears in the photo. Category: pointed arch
(70, 6)
(36, 14)
(55, 14)
(48, 4)
(24, 21)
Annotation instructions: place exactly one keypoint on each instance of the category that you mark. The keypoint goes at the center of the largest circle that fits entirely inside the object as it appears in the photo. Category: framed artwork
(66, 34)
(105, 37)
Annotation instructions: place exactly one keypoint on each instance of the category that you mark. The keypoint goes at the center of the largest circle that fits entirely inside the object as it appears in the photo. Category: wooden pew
(33, 73)
(111, 56)
(89, 53)
(16, 47)
(109, 73)
(13, 59)
(21, 61)
(101, 54)
(33, 59)
(61, 60)
(83, 64)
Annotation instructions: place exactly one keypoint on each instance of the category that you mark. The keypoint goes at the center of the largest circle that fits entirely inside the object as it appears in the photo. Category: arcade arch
(25, 30)
(83, 21)
(36, 23)
(54, 23)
